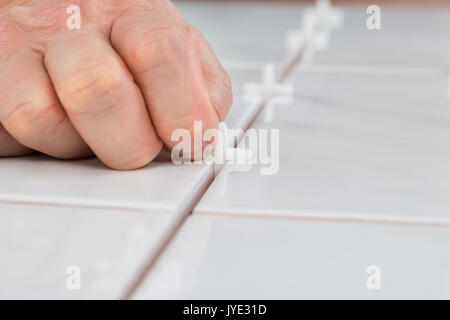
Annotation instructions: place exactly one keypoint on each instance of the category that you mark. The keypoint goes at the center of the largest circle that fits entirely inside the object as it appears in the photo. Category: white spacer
(298, 39)
(238, 156)
(228, 155)
(238, 160)
(314, 32)
(269, 87)
(271, 91)
(328, 16)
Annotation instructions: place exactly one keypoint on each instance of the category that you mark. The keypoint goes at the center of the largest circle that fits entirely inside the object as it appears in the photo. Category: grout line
(129, 293)
(342, 69)
(131, 289)
(329, 218)
(81, 203)
(372, 70)
(243, 65)
(153, 258)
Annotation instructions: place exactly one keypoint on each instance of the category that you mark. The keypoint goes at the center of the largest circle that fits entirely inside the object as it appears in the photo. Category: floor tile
(240, 76)
(244, 31)
(39, 243)
(216, 257)
(409, 37)
(161, 186)
(350, 147)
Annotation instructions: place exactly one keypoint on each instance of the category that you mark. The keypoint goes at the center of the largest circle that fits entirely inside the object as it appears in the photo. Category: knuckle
(159, 45)
(193, 31)
(19, 130)
(91, 83)
(25, 18)
(38, 116)
(223, 82)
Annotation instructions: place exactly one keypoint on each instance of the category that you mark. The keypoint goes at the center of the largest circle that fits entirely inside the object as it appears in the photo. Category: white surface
(240, 76)
(351, 147)
(409, 36)
(38, 243)
(256, 32)
(246, 258)
(253, 32)
(160, 186)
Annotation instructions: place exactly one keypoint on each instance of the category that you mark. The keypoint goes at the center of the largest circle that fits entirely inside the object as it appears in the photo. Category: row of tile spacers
(313, 35)
(314, 32)
(234, 159)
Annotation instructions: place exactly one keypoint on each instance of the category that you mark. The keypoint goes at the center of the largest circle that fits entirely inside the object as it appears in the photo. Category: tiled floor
(39, 243)
(409, 37)
(235, 37)
(352, 147)
(88, 183)
(215, 257)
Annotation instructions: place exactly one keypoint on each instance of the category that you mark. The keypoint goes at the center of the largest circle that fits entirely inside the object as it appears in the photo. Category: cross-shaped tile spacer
(328, 17)
(269, 88)
(224, 154)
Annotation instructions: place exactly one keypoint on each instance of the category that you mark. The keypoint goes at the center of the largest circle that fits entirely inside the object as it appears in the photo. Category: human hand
(118, 86)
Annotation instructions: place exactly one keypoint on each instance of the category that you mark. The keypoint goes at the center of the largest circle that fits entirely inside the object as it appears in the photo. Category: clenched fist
(117, 85)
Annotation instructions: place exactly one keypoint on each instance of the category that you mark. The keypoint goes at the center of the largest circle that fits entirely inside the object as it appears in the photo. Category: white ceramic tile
(240, 76)
(161, 186)
(38, 243)
(216, 257)
(351, 147)
(253, 32)
(410, 36)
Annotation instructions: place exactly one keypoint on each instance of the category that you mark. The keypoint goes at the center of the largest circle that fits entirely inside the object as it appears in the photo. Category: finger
(10, 147)
(102, 100)
(217, 80)
(31, 111)
(163, 59)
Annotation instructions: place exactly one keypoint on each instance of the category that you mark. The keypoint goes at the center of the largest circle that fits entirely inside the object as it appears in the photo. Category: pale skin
(117, 87)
